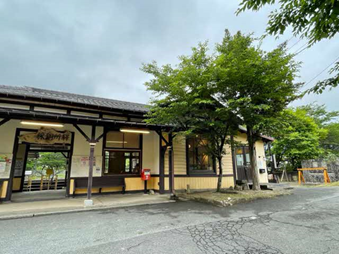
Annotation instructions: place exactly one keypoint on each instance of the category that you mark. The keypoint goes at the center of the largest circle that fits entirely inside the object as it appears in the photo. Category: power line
(322, 71)
(295, 54)
(290, 38)
(300, 47)
(294, 44)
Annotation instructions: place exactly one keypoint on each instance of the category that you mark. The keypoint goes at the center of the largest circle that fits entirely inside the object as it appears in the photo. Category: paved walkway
(44, 195)
(67, 205)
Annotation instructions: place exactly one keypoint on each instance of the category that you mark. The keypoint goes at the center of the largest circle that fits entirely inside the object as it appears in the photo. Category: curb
(77, 210)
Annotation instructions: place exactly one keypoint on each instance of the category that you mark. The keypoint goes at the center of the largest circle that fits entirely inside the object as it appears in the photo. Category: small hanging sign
(47, 136)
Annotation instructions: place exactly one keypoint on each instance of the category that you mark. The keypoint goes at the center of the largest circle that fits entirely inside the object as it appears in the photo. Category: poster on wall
(5, 165)
(80, 166)
(2, 166)
(19, 167)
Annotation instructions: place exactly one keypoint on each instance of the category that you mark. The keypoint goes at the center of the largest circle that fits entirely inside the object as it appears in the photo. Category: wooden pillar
(91, 163)
(162, 151)
(171, 165)
(272, 157)
(162, 168)
(234, 165)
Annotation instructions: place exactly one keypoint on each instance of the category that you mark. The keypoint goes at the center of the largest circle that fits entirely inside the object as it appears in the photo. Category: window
(116, 139)
(122, 153)
(239, 156)
(198, 159)
(242, 156)
(121, 162)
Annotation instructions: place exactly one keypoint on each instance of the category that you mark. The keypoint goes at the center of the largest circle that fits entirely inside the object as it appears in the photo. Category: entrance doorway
(243, 163)
(40, 171)
(45, 171)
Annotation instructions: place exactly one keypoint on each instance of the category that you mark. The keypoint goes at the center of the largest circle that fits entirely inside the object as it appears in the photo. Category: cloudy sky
(97, 47)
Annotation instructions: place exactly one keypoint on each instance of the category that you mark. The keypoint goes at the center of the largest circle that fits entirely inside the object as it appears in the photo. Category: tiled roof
(37, 93)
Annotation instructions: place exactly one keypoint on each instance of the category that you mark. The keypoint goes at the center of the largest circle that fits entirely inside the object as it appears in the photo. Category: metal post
(145, 187)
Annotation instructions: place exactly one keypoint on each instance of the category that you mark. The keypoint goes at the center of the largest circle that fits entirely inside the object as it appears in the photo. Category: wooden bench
(100, 182)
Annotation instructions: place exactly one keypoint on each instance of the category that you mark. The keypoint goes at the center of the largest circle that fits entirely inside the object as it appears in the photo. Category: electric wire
(322, 71)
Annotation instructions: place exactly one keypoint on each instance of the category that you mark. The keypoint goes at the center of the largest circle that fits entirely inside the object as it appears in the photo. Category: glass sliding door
(243, 163)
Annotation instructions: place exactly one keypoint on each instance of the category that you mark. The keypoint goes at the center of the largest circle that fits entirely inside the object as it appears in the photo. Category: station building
(107, 141)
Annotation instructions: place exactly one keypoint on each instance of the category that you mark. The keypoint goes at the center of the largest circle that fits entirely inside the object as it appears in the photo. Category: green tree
(331, 142)
(184, 98)
(327, 120)
(321, 116)
(297, 137)
(254, 84)
(314, 20)
(47, 160)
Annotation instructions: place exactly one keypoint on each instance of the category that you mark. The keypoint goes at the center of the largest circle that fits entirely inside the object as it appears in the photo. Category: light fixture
(143, 131)
(42, 124)
(117, 142)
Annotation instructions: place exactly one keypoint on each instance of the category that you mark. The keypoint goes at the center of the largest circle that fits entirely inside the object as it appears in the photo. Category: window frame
(199, 172)
(243, 147)
(123, 140)
(130, 150)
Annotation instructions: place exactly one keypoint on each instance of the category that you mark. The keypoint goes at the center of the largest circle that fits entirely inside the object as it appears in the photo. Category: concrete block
(88, 202)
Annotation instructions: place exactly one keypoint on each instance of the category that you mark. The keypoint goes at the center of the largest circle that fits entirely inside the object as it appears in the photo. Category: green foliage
(332, 138)
(297, 137)
(315, 20)
(255, 84)
(326, 120)
(184, 98)
(47, 160)
(319, 113)
(260, 84)
(212, 94)
(330, 82)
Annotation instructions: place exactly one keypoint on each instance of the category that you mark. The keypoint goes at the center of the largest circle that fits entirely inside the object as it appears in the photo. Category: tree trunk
(220, 174)
(253, 159)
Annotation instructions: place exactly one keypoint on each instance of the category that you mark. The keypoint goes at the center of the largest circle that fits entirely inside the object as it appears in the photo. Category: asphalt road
(305, 222)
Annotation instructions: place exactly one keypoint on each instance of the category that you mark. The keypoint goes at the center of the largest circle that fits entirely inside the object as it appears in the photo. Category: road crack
(225, 237)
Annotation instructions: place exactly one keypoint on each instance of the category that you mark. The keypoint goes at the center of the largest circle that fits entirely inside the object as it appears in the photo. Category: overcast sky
(97, 47)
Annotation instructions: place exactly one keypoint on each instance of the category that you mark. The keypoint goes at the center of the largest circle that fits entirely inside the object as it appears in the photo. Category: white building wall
(81, 150)
(261, 161)
(7, 136)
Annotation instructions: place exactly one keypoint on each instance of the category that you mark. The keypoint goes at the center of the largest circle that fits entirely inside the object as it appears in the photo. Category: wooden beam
(82, 132)
(100, 137)
(3, 121)
(303, 169)
(64, 155)
(162, 137)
